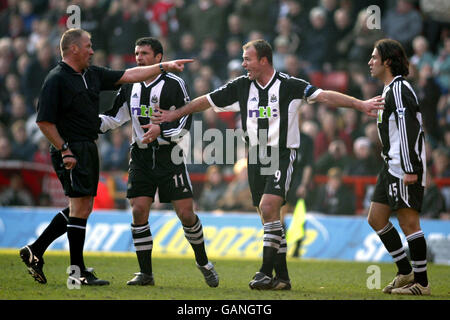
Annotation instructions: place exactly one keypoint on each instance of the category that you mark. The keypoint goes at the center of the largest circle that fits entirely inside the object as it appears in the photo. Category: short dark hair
(393, 51)
(154, 43)
(70, 37)
(262, 47)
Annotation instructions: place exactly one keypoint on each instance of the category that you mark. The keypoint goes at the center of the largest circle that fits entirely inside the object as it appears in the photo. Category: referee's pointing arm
(138, 74)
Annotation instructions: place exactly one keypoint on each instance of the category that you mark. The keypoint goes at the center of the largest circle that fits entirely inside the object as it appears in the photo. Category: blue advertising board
(234, 235)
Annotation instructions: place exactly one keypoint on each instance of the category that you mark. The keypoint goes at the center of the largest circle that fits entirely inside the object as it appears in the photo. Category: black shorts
(391, 191)
(278, 183)
(152, 169)
(82, 180)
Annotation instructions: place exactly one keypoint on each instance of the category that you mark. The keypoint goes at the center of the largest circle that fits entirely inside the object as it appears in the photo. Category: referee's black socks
(76, 233)
(56, 228)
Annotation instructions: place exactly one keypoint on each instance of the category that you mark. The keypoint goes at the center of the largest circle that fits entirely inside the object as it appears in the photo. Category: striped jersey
(400, 130)
(137, 101)
(274, 107)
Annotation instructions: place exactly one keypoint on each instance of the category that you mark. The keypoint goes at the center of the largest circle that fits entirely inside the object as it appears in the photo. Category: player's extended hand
(161, 116)
(409, 178)
(154, 130)
(371, 105)
(176, 65)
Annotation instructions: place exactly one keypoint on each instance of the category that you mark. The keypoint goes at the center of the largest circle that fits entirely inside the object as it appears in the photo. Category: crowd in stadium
(326, 42)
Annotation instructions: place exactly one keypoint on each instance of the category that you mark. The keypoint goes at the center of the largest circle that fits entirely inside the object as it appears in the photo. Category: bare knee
(140, 211)
(186, 216)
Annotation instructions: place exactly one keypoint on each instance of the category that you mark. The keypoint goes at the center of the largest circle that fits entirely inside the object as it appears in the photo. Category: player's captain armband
(313, 93)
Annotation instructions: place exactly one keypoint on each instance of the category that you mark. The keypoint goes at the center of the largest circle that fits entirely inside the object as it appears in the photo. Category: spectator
(203, 19)
(328, 133)
(213, 189)
(22, 147)
(335, 157)
(36, 72)
(352, 125)
(5, 148)
(429, 93)
(234, 30)
(91, 22)
(433, 200)
(360, 41)
(18, 108)
(280, 52)
(187, 47)
(293, 67)
(317, 40)
(42, 154)
(251, 13)
(441, 163)
(234, 50)
(124, 22)
(441, 67)
(421, 55)
(403, 23)
(237, 196)
(115, 155)
(343, 27)
(334, 197)
(363, 162)
(16, 194)
(285, 29)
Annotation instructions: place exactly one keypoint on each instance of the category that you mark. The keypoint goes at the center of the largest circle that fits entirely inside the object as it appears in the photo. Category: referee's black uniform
(70, 100)
(152, 167)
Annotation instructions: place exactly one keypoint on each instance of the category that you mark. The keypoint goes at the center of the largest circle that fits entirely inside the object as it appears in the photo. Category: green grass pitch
(179, 279)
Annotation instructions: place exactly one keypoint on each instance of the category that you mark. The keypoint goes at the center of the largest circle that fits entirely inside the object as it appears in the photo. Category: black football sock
(280, 265)
(393, 244)
(273, 232)
(76, 233)
(194, 235)
(56, 228)
(143, 243)
(418, 250)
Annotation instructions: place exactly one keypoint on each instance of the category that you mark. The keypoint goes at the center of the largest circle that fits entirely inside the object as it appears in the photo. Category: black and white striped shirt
(274, 107)
(138, 101)
(400, 130)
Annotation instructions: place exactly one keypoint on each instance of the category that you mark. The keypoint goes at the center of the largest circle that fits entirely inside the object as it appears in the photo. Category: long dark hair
(393, 51)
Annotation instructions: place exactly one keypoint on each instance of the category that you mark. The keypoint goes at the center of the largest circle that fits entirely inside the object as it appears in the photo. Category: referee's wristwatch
(64, 147)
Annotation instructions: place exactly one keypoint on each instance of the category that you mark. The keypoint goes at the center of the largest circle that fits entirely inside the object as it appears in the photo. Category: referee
(151, 167)
(401, 182)
(269, 103)
(67, 115)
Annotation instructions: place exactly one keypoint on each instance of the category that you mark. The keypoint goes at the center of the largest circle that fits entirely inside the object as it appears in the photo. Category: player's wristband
(162, 69)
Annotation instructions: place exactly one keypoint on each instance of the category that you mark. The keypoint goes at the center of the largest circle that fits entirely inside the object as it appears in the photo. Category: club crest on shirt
(273, 98)
(154, 99)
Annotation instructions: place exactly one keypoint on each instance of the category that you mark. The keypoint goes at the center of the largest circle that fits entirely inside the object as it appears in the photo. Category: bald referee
(67, 115)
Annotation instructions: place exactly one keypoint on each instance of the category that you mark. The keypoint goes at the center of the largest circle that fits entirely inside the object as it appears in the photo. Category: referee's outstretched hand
(370, 106)
(176, 65)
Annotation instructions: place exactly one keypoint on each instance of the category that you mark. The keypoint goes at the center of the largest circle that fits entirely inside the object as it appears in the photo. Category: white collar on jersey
(268, 82)
(156, 79)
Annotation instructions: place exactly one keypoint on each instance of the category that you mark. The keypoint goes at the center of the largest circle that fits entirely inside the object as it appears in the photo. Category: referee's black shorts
(391, 191)
(82, 180)
(278, 183)
(153, 170)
